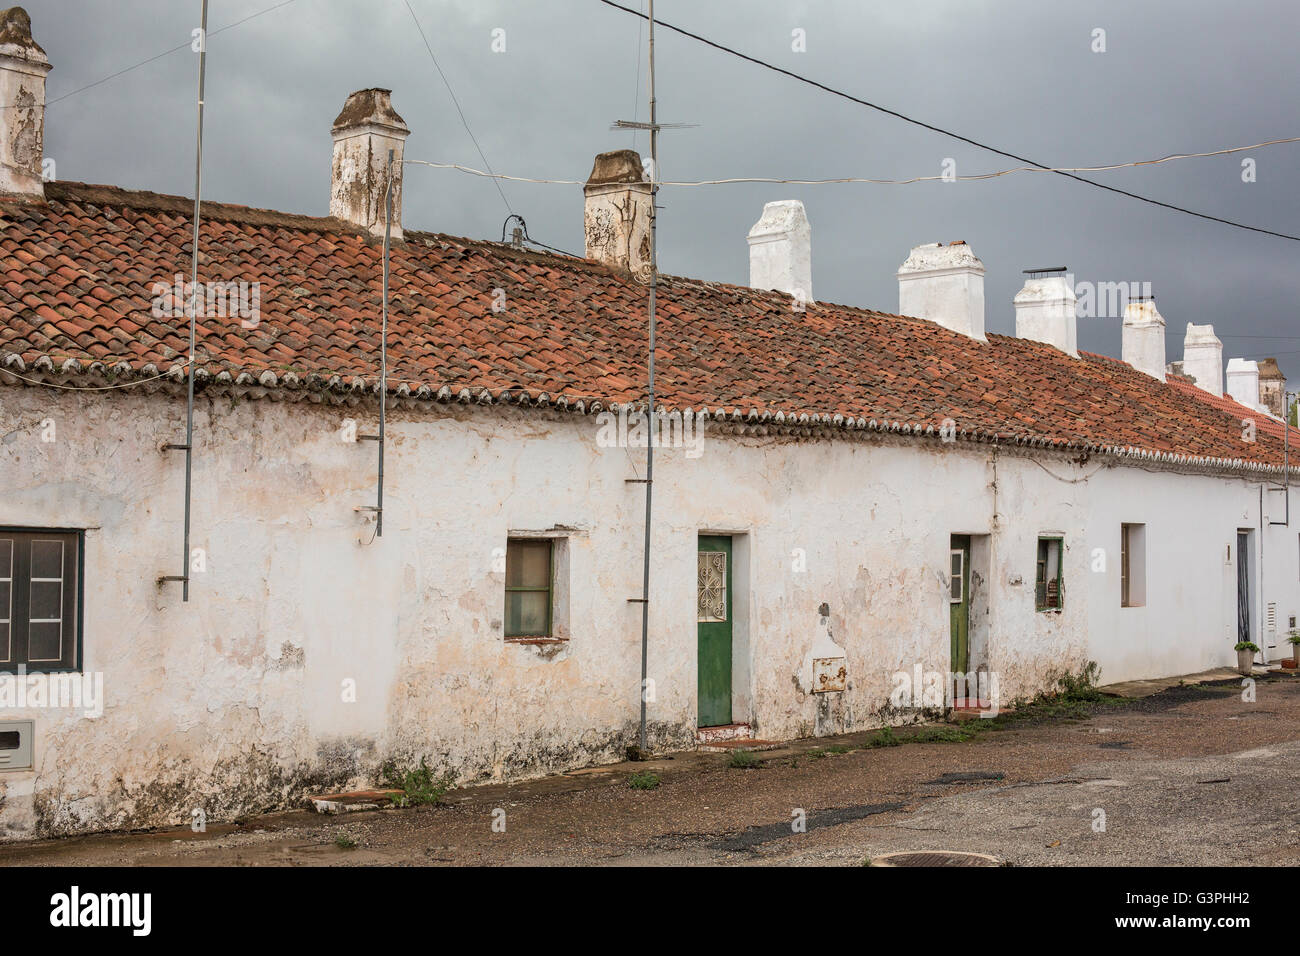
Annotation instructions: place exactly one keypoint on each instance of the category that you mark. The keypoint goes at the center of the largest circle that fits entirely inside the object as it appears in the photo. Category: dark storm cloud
(1178, 76)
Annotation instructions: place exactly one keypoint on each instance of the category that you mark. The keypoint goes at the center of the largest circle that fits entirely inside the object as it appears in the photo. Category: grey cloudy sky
(1177, 76)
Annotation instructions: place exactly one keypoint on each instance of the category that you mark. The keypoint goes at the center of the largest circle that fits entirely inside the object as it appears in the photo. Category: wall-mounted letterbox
(16, 744)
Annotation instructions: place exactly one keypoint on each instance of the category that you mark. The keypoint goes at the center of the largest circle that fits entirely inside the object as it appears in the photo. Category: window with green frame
(1049, 585)
(529, 592)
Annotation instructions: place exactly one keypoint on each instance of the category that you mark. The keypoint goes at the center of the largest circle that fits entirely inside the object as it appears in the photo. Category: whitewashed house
(958, 500)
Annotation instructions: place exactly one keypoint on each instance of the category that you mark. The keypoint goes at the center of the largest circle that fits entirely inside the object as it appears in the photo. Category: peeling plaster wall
(235, 702)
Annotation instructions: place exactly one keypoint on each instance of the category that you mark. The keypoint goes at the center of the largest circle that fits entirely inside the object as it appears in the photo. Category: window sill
(537, 640)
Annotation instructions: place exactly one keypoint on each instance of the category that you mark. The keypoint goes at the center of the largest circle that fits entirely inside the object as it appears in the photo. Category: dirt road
(1193, 775)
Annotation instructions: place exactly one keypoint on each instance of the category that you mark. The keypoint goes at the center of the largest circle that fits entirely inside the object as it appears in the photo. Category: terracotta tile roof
(77, 278)
(1263, 422)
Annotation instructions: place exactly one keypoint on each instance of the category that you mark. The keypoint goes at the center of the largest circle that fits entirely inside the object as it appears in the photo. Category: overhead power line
(183, 46)
(456, 103)
(863, 179)
(945, 132)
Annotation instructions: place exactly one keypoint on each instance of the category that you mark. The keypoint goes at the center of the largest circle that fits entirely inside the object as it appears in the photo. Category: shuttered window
(40, 612)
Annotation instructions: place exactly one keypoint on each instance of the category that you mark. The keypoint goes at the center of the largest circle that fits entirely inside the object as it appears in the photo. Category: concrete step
(724, 732)
(353, 801)
(745, 743)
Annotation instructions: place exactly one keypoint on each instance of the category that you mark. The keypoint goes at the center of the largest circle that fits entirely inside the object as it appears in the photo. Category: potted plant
(1246, 651)
(1293, 637)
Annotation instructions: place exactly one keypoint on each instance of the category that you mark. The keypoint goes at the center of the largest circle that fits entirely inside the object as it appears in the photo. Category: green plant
(884, 737)
(1246, 646)
(1081, 686)
(345, 842)
(418, 785)
(743, 760)
(1293, 637)
(942, 735)
(643, 781)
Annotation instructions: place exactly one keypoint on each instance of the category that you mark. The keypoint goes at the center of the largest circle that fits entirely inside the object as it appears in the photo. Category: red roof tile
(78, 276)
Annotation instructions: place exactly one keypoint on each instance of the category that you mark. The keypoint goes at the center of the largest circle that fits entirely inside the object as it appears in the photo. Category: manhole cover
(935, 858)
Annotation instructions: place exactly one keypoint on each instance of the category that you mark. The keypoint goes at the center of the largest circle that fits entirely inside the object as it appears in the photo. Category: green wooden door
(713, 630)
(959, 601)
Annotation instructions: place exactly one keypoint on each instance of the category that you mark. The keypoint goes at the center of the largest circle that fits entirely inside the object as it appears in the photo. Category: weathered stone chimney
(23, 66)
(1046, 312)
(780, 250)
(1203, 358)
(1272, 387)
(1143, 342)
(363, 133)
(616, 219)
(1243, 382)
(945, 284)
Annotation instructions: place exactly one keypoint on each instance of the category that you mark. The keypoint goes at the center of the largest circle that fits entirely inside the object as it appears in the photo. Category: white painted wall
(233, 701)
(1143, 338)
(780, 250)
(1045, 312)
(1243, 382)
(944, 282)
(1203, 357)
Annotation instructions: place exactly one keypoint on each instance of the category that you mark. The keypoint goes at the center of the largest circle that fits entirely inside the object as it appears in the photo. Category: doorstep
(723, 732)
(746, 743)
(729, 737)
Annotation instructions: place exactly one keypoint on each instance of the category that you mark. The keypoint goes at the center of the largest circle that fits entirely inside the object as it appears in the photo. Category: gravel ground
(1192, 775)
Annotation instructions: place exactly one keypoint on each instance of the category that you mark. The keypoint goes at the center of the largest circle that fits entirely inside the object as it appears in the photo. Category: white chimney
(945, 284)
(618, 207)
(23, 66)
(364, 133)
(1203, 358)
(1243, 382)
(1045, 312)
(1143, 344)
(780, 250)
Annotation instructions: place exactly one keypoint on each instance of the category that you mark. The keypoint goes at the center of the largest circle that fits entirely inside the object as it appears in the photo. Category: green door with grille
(959, 601)
(713, 629)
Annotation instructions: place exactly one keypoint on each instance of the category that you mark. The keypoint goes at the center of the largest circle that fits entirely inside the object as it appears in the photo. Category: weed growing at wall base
(419, 786)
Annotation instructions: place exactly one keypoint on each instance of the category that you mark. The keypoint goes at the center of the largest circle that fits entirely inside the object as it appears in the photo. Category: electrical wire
(949, 133)
(553, 249)
(183, 46)
(91, 388)
(456, 103)
(880, 182)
